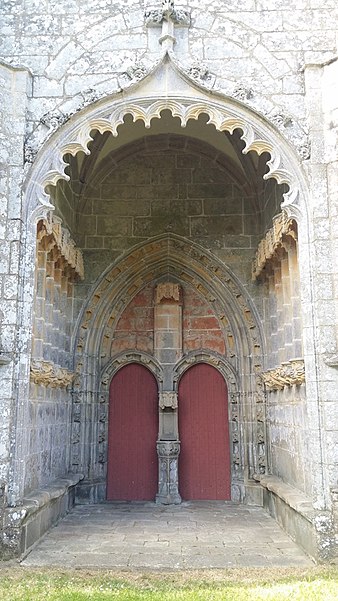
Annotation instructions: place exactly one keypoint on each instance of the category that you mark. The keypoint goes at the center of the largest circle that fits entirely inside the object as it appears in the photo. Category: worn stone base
(24, 525)
(89, 492)
(252, 494)
(293, 510)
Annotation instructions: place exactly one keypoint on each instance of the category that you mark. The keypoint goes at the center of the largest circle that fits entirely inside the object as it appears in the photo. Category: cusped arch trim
(211, 358)
(118, 361)
(185, 102)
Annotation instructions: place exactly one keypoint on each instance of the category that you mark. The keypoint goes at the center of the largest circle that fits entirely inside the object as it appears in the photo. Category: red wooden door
(204, 462)
(133, 428)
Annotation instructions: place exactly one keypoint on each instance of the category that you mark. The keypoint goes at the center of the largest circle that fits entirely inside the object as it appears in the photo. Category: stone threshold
(41, 509)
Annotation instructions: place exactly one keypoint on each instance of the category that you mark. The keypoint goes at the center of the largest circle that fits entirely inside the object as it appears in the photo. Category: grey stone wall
(14, 89)
(49, 414)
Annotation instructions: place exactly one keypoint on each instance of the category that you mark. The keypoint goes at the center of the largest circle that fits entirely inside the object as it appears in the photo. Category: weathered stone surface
(109, 119)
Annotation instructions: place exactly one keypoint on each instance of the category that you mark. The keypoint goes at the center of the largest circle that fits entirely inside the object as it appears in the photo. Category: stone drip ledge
(293, 497)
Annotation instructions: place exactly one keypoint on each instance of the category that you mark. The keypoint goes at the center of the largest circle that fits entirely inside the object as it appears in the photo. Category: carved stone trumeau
(289, 373)
(168, 452)
(46, 373)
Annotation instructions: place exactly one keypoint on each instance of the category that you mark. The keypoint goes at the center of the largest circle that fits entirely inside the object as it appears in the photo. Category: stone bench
(40, 510)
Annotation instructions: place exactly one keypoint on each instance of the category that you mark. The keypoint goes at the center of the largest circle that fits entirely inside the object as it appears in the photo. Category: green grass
(312, 584)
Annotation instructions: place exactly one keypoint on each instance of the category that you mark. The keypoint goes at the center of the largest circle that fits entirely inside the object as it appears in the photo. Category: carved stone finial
(168, 17)
(168, 12)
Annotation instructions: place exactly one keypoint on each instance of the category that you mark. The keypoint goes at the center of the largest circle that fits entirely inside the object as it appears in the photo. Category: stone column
(168, 350)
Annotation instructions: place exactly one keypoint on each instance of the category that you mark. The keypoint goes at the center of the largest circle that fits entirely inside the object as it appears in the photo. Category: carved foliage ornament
(166, 448)
(289, 373)
(282, 228)
(54, 120)
(242, 93)
(47, 373)
(167, 12)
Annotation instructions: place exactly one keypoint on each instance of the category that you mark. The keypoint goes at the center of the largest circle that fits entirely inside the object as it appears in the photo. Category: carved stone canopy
(283, 230)
(168, 400)
(51, 234)
(168, 292)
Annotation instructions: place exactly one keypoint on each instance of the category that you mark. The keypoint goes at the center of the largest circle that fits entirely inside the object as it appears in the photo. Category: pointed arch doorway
(132, 433)
(204, 462)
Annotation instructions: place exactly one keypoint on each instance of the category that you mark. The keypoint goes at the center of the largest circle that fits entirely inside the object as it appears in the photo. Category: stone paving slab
(194, 535)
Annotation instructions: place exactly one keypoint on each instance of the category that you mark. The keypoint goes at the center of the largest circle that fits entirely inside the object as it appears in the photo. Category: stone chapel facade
(169, 259)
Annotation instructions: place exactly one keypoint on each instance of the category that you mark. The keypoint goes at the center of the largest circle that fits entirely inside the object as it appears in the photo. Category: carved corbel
(168, 292)
(46, 373)
(289, 373)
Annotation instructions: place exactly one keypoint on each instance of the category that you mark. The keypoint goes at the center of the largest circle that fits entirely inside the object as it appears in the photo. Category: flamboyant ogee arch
(185, 100)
